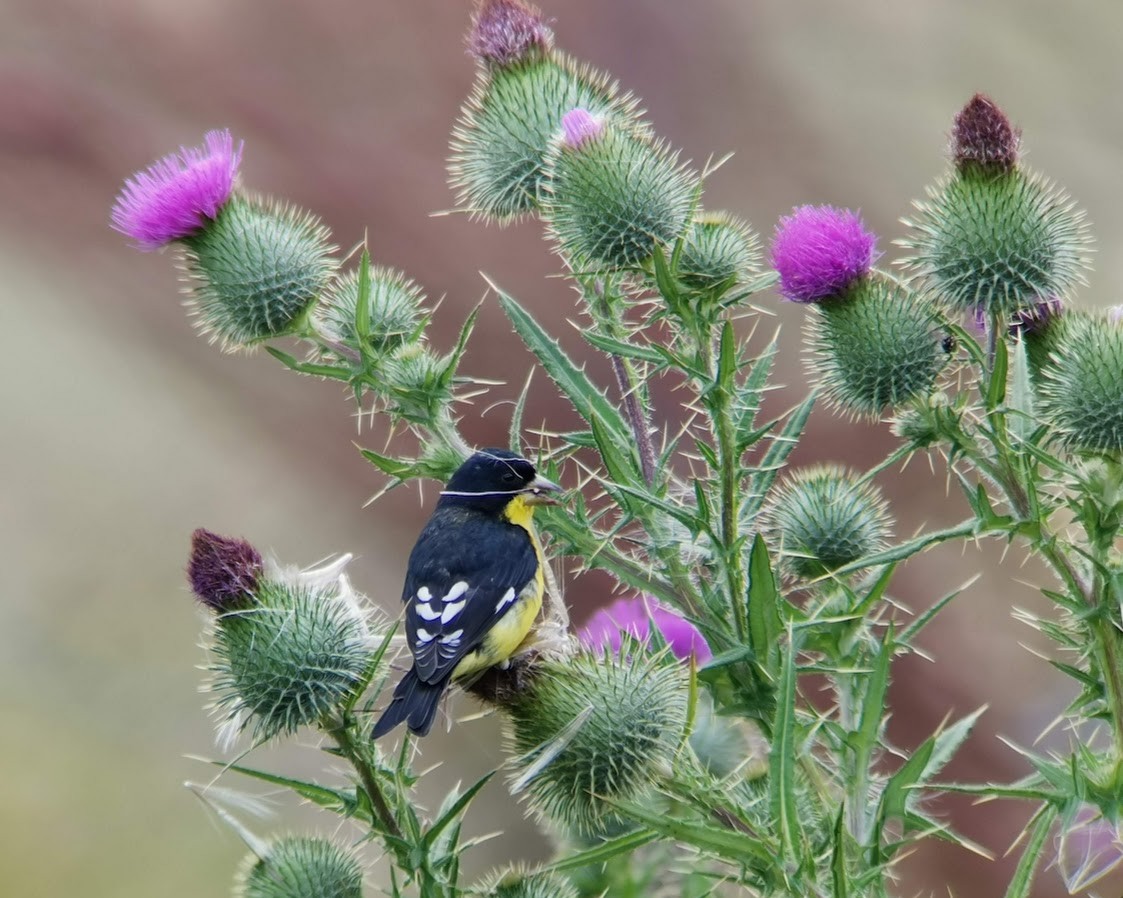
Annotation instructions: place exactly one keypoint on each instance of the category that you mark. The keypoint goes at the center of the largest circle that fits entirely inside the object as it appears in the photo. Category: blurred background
(123, 431)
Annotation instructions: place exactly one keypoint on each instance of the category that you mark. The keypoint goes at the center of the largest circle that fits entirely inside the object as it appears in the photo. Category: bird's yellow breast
(511, 629)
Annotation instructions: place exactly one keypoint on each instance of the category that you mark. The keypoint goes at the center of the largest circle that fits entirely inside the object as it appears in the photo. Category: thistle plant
(671, 747)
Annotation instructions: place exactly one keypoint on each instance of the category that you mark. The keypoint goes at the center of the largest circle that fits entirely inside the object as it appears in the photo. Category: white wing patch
(458, 589)
(508, 598)
(424, 635)
(452, 638)
(451, 610)
(424, 594)
(425, 610)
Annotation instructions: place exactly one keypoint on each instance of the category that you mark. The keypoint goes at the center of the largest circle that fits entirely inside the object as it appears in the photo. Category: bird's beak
(541, 491)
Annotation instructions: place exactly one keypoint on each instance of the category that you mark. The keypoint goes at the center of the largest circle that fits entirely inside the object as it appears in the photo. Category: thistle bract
(997, 240)
(717, 249)
(291, 656)
(520, 883)
(500, 141)
(1083, 384)
(876, 347)
(824, 518)
(395, 305)
(613, 197)
(256, 270)
(417, 383)
(597, 727)
(302, 867)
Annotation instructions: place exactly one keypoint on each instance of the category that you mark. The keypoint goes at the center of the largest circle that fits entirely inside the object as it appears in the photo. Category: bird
(474, 582)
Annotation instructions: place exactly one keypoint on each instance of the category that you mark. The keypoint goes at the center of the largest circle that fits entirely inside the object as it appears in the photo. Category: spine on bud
(301, 867)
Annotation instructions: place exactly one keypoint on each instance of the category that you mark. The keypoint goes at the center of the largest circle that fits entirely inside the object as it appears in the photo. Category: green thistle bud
(255, 271)
(301, 867)
(824, 518)
(395, 303)
(518, 882)
(290, 655)
(992, 236)
(505, 128)
(417, 383)
(928, 421)
(718, 249)
(1083, 384)
(612, 194)
(879, 345)
(594, 727)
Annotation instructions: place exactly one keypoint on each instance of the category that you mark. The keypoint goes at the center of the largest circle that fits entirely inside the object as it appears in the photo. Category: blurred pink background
(124, 431)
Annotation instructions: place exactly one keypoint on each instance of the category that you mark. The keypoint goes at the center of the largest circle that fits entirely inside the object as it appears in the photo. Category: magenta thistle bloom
(506, 31)
(819, 251)
(175, 197)
(633, 616)
(223, 570)
(983, 135)
(1030, 320)
(580, 126)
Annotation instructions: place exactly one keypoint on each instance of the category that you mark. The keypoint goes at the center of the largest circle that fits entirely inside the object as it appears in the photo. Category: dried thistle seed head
(983, 136)
(598, 727)
(256, 270)
(877, 347)
(997, 241)
(301, 867)
(824, 518)
(613, 196)
(291, 656)
(718, 249)
(1082, 383)
(820, 251)
(505, 128)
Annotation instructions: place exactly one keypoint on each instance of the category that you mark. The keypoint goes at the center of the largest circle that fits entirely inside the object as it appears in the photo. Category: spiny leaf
(764, 606)
(782, 759)
(331, 372)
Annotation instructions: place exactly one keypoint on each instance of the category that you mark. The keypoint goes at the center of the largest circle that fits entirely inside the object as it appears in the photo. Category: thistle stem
(341, 731)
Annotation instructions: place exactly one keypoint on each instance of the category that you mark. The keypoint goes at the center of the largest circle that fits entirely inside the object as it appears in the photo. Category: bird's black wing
(463, 575)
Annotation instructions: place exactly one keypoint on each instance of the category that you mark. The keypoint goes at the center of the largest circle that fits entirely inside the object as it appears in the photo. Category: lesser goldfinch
(474, 582)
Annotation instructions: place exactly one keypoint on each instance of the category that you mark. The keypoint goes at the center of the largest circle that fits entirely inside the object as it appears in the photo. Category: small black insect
(948, 343)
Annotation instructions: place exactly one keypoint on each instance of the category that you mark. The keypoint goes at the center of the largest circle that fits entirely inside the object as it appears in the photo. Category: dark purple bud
(983, 136)
(1037, 317)
(223, 570)
(507, 31)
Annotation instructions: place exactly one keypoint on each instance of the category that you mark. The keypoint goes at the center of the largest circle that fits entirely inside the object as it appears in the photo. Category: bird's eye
(510, 477)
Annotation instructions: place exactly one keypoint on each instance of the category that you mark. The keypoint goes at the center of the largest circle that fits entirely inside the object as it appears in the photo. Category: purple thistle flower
(222, 570)
(175, 197)
(506, 31)
(1030, 320)
(984, 136)
(633, 616)
(819, 251)
(580, 126)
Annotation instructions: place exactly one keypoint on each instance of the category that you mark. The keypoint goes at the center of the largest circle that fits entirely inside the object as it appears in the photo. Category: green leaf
(514, 435)
(783, 757)
(912, 630)
(898, 788)
(336, 800)
(362, 307)
(604, 851)
(996, 389)
(948, 741)
(1023, 422)
(734, 846)
(626, 350)
(331, 372)
(748, 397)
(867, 736)
(838, 857)
(454, 810)
(401, 468)
(764, 606)
(665, 282)
(452, 360)
(620, 467)
(372, 668)
(589, 402)
(782, 445)
(1031, 856)
(907, 549)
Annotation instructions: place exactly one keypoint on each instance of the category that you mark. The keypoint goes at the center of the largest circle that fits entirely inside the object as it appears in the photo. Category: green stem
(341, 730)
(730, 463)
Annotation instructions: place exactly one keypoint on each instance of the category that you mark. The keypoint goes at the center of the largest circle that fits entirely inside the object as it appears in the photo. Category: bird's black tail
(414, 702)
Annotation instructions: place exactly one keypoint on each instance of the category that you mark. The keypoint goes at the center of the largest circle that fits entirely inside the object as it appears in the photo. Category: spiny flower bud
(992, 235)
(1083, 384)
(594, 727)
(609, 626)
(718, 249)
(180, 194)
(291, 655)
(877, 347)
(518, 882)
(395, 307)
(223, 570)
(507, 31)
(612, 194)
(254, 272)
(824, 518)
(301, 867)
(928, 421)
(982, 135)
(819, 251)
(417, 383)
(504, 130)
